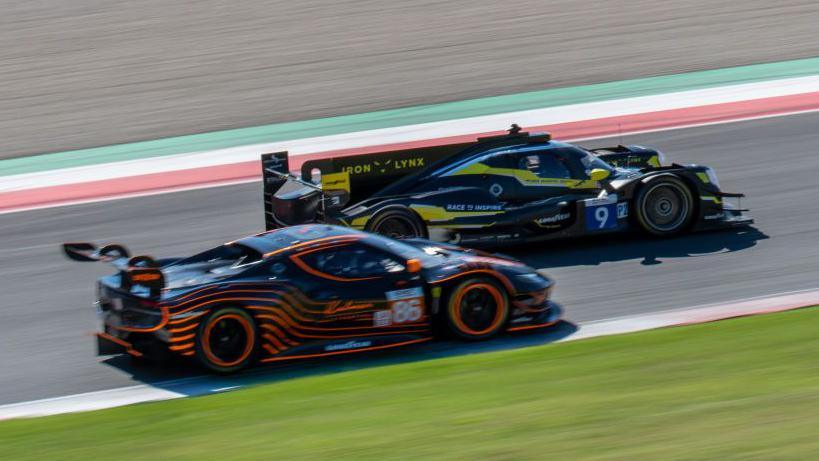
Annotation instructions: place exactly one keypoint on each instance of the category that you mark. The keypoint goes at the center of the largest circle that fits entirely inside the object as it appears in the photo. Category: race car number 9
(601, 217)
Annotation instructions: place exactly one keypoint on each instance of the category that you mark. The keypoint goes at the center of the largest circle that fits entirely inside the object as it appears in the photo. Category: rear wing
(342, 180)
(141, 271)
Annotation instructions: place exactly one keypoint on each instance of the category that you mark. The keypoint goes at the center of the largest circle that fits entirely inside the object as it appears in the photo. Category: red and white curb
(571, 122)
(203, 385)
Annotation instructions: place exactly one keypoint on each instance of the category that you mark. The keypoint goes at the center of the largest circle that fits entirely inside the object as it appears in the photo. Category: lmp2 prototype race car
(513, 188)
(309, 291)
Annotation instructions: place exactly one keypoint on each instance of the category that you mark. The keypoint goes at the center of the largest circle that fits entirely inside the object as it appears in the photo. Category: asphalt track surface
(45, 324)
(86, 73)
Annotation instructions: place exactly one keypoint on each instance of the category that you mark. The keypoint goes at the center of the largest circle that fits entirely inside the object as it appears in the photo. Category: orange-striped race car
(309, 291)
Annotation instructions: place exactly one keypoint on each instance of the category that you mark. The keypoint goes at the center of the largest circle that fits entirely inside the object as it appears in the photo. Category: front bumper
(736, 218)
(547, 318)
(723, 210)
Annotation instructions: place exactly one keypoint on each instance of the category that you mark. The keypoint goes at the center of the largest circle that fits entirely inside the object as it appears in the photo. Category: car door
(358, 285)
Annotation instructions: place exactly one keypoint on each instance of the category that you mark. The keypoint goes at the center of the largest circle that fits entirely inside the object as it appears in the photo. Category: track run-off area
(765, 151)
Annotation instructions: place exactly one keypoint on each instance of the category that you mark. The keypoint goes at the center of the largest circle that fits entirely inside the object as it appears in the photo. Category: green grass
(738, 389)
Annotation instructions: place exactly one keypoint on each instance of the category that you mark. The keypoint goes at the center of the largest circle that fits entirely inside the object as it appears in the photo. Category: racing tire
(477, 308)
(227, 340)
(397, 223)
(664, 206)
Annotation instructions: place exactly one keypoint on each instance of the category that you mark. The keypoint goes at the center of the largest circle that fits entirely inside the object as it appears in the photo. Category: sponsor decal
(473, 207)
(711, 217)
(347, 346)
(622, 210)
(407, 293)
(385, 166)
(336, 307)
(546, 182)
(145, 277)
(553, 219)
(382, 318)
(274, 162)
(496, 189)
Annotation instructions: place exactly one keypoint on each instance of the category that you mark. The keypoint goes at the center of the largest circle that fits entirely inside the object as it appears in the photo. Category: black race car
(309, 291)
(513, 188)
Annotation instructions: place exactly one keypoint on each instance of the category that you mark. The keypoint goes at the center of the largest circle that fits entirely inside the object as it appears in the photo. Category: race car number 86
(406, 311)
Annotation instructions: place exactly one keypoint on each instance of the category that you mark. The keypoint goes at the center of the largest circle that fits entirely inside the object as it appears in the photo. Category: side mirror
(599, 174)
(413, 266)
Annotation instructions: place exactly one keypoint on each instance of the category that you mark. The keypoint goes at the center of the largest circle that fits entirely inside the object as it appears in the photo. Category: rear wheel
(397, 223)
(477, 309)
(664, 206)
(226, 342)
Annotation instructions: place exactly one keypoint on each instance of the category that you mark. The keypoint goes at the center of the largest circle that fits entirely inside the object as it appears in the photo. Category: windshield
(591, 161)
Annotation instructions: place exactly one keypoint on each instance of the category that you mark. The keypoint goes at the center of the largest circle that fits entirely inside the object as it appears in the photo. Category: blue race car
(514, 188)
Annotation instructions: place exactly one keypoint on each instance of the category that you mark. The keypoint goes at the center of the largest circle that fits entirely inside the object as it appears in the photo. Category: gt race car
(309, 291)
(513, 188)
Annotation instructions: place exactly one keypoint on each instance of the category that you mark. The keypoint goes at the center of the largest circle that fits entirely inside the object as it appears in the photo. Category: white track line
(202, 385)
(417, 132)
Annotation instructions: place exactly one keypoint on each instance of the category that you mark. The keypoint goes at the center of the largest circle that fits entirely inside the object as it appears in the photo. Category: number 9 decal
(601, 214)
(601, 217)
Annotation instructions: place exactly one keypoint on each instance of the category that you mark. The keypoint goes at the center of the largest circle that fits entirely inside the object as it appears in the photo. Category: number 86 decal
(408, 310)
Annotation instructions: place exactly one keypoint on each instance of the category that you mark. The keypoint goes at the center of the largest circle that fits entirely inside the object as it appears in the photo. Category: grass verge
(738, 389)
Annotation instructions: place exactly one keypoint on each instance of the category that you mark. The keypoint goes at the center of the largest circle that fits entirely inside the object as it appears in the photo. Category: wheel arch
(252, 353)
(450, 283)
(441, 320)
(399, 207)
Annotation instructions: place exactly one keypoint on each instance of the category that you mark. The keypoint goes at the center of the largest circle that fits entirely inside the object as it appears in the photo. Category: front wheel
(227, 341)
(664, 206)
(478, 308)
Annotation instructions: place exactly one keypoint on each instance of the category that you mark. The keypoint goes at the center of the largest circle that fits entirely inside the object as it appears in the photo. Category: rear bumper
(111, 345)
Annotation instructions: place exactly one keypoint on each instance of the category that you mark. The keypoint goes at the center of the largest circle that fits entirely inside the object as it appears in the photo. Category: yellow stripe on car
(525, 177)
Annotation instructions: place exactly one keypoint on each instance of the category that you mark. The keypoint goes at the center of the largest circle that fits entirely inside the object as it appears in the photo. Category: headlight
(712, 176)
